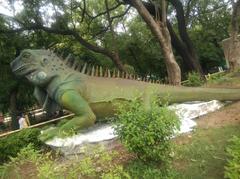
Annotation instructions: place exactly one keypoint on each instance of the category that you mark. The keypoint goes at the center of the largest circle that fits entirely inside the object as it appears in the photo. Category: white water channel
(100, 133)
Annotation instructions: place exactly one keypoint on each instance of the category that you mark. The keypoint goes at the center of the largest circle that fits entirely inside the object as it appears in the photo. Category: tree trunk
(13, 109)
(234, 59)
(182, 28)
(159, 29)
(184, 46)
(115, 53)
(190, 63)
(116, 59)
(173, 69)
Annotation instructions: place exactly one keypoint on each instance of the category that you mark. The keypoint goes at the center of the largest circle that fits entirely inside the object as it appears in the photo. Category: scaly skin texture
(59, 86)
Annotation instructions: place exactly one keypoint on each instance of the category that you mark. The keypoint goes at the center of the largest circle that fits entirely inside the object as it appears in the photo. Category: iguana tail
(183, 94)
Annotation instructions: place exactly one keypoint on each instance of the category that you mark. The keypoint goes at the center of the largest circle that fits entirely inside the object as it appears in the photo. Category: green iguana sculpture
(58, 85)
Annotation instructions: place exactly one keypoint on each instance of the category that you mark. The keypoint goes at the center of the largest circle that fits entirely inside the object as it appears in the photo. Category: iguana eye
(26, 55)
(44, 61)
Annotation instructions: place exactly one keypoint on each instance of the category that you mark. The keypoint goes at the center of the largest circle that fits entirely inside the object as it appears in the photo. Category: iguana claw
(48, 134)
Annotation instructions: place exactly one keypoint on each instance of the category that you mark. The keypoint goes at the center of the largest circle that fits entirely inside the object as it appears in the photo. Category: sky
(5, 9)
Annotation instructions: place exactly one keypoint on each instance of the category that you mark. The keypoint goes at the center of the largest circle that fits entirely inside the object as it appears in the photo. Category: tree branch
(67, 32)
(83, 11)
(121, 15)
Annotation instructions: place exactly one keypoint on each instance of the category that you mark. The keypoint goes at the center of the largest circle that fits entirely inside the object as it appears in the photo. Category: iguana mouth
(23, 70)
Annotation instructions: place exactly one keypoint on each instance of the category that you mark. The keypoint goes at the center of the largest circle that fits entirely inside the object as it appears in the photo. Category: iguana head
(38, 66)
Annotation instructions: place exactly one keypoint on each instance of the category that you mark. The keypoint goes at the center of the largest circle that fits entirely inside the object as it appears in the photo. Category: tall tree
(140, 49)
(209, 23)
(234, 59)
(159, 29)
(76, 19)
(182, 43)
(113, 36)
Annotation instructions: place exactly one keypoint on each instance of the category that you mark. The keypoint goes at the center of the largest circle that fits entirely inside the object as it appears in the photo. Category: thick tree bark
(234, 21)
(233, 58)
(115, 53)
(13, 109)
(159, 29)
(183, 46)
(192, 57)
(182, 50)
(117, 61)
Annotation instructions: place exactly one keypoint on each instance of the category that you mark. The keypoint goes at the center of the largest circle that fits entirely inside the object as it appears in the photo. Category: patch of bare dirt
(123, 156)
(229, 114)
(28, 170)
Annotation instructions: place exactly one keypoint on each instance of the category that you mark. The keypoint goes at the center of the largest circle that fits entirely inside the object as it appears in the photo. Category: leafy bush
(232, 170)
(147, 133)
(193, 79)
(218, 78)
(12, 144)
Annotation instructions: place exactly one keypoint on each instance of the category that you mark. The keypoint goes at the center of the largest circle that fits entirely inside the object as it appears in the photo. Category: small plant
(99, 163)
(117, 173)
(26, 155)
(194, 79)
(140, 169)
(232, 170)
(96, 164)
(11, 145)
(39, 165)
(147, 133)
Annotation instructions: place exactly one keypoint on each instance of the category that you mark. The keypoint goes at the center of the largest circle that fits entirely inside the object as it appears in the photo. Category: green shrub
(12, 144)
(193, 79)
(147, 133)
(232, 170)
(218, 78)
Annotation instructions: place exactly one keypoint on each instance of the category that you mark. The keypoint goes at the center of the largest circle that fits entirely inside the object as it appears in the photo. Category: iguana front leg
(84, 118)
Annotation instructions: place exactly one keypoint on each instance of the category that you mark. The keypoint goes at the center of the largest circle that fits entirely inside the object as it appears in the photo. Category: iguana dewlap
(58, 85)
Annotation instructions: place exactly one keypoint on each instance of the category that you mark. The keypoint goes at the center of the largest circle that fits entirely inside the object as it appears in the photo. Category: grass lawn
(202, 155)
